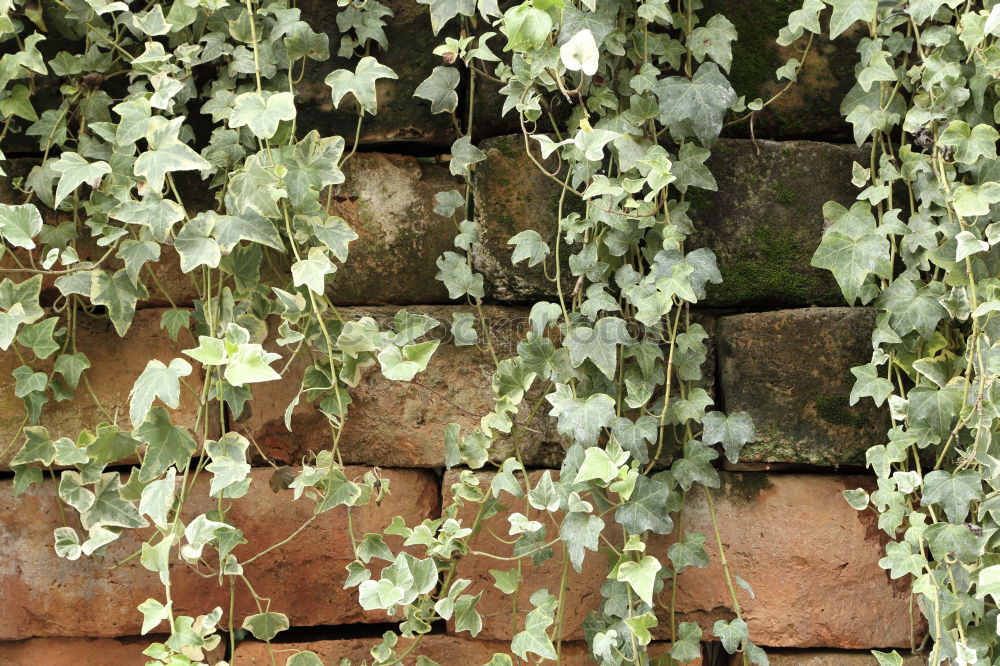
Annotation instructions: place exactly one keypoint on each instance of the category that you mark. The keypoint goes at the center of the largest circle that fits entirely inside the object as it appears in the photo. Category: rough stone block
(811, 559)
(764, 223)
(445, 650)
(115, 363)
(766, 219)
(401, 424)
(791, 370)
(389, 201)
(46, 596)
(75, 651)
(811, 107)
(400, 117)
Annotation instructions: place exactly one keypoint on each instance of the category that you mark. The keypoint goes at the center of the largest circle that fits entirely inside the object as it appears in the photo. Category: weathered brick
(811, 107)
(811, 559)
(831, 658)
(766, 219)
(445, 650)
(764, 223)
(45, 596)
(389, 201)
(400, 117)
(75, 651)
(115, 363)
(791, 370)
(401, 424)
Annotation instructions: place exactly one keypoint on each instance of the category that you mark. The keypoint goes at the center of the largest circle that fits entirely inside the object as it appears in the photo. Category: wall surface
(819, 597)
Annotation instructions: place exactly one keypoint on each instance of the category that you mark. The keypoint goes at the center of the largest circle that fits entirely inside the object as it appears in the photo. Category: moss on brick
(836, 409)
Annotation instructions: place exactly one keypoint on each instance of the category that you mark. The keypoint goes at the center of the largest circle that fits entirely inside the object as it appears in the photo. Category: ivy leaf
(852, 259)
(439, 89)
(304, 658)
(969, 144)
(75, 171)
(731, 633)
(196, 246)
(647, 509)
(118, 294)
(687, 646)
(109, 509)
(640, 576)
(265, 626)
(688, 552)
(262, 115)
(155, 163)
(636, 437)
(312, 271)
(157, 381)
(251, 364)
(580, 53)
(153, 613)
(154, 212)
(458, 277)
(463, 156)
(360, 83)
(900, 559)
(697, 106)
(528, 245)
(953, 492)
(158, 497)
(443, 11)
(846, 12)
(527, 28)
(580, 532)
(581, 419)
(403, 364)
(166, 444)
(598, 344)
(696, 466)
(714, 40)
(20, 224)
(229, 466)
(731, 431)
(868, 384)
(534, 638)
(38, 337)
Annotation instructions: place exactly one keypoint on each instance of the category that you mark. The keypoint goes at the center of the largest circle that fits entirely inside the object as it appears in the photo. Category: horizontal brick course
(811, 559)
(46, 596)
(90, 651)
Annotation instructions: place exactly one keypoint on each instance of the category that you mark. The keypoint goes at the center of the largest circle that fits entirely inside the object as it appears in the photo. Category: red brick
(115, 363)
(402, 424)
(446, 650)
(46, 596)
(831, 658)
(811, 560)
(76, 651)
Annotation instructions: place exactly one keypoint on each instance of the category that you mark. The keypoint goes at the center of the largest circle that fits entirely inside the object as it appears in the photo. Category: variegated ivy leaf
(19, 225)
(439, 89)
(74, 171)
(360, 83)
(463, 156)
(262, 114)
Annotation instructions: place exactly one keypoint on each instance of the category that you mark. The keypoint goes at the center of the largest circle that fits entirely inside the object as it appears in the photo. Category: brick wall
(782, 348)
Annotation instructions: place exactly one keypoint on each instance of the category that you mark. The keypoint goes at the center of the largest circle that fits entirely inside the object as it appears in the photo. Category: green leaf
(260, 114)
(696, 106)
(439, 89)
(731, 633)
(688, 552)
(581, 419)
(153, 613)
(118, 294)
(403, 364)
(265, 626)
(311, 272)
(900, 560)
(251, 364)
(953, 492)
(458, 277)
(166, 444)
(443, 11)
(528, 245)
(158, 498)
(687, 645)
(153, 212)
(647, 509)
(847, 12)
(598, 344)
(229, 466)
(506, 581)
(74, 171)
(38, 447)
(38, 337)
(463, 156)
(852, 259)
(868, 384)
(969, 144)
(534, 638)
(67, 543)
(109, 509)
(640, 576)
(988, 583)
(304, 658)
(360, 83)
(167, 157)
(527, 28)
(696, 466)
(733, 432)
(196, 246)
(157, 381)
(20, 224)
(714, 40)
